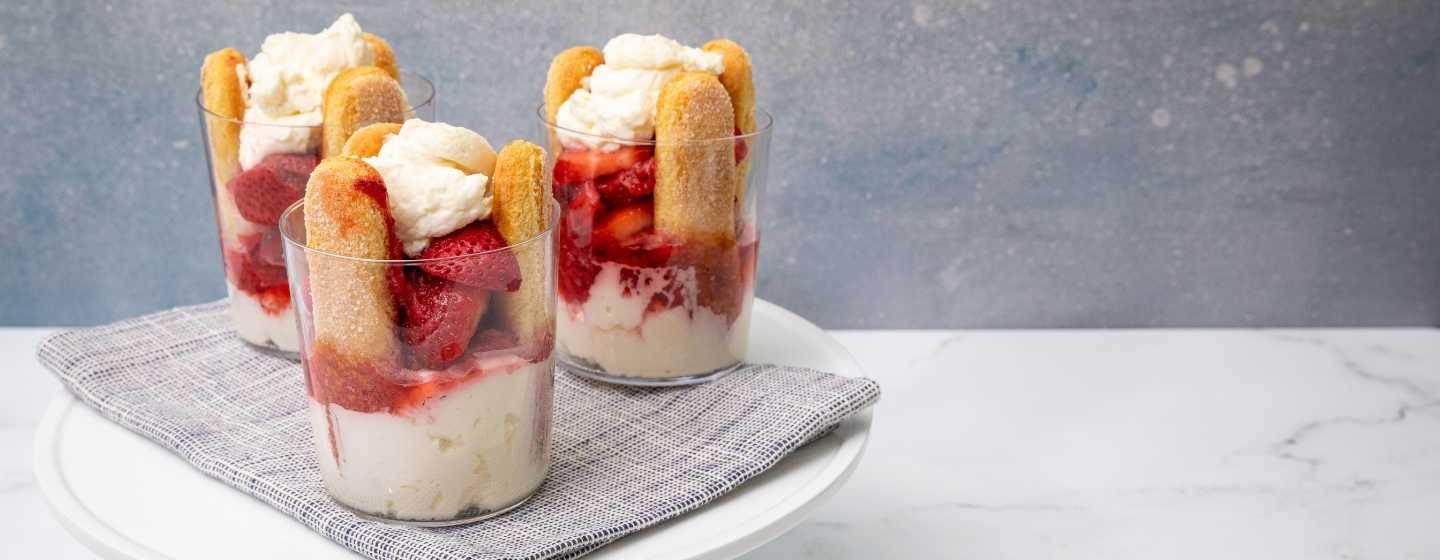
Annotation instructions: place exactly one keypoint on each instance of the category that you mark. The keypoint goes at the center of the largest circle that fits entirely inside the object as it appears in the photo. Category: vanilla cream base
(480, 447)
(612, 330)
(257, 327)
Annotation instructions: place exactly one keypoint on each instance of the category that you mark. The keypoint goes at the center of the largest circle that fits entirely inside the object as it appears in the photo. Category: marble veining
(1142, 444)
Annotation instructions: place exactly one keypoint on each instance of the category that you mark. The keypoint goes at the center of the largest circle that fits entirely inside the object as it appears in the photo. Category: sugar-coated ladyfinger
(738, 83)
(695, 172)
(356, 98)
(367, 141)
(354, 313)
(695, 183)
(520, 213)
(384, 55)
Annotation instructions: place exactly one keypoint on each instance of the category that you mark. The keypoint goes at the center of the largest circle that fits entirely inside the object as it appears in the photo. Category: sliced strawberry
(623, 223)
(292, 169)
(630, 184)
(628, 236)
(249, 275)
(574, 266)
(574, 166)
(275, 299)
(585, 200)
(441, 317)
(498, 270)
(263, 192)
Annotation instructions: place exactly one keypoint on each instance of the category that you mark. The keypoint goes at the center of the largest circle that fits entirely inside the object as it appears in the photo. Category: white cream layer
(617, 99)
(256, 326)
(613, 330)
(473, 449)
(437, 177)
(287, 81)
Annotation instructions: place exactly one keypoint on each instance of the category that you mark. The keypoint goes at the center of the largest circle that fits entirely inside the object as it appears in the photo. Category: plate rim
(732, 541)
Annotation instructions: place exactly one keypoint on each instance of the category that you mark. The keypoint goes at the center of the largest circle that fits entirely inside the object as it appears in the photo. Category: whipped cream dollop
(618, 99)
(287, 84)
(437, 179)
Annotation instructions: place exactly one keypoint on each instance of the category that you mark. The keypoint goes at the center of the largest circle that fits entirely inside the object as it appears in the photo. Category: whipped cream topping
(437, 179)
(287, 84)
(618, 99)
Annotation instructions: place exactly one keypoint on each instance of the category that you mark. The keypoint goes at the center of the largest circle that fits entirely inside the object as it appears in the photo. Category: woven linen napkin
(624, 458)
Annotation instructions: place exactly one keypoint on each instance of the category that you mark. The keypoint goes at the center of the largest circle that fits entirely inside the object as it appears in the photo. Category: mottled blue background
(1038, 163)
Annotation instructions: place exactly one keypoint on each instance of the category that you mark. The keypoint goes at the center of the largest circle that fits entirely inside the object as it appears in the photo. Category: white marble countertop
(1078, 444)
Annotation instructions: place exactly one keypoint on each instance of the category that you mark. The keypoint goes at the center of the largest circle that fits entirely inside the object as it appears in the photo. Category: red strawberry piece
(292, 169)
(250, 241)
(575, 267)
(585, 201)
(496, 270)
(250, 275)
(574, 166)
(263, 192)
(623, 223)
(441, 317)
(631, 184)
(270, 249)
(627, 236)
(650, 249)
(274, 299)
(490, 340)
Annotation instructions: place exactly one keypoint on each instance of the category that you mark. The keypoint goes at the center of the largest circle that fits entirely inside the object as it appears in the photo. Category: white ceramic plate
(127, 498)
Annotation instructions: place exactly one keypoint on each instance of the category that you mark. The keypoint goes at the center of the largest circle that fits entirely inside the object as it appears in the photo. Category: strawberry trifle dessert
(420, 265)
(660, 160)
(268, 120)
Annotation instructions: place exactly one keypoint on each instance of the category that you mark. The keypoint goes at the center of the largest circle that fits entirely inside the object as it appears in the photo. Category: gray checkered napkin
(625, 459)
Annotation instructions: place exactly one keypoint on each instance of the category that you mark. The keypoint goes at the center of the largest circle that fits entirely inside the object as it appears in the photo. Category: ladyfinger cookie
(223, 95)
(354, 313)
(695, 183)
(737, 82)
(520, 213)
(367, 141)
(694, 165)
(384, 55)
(356, 98)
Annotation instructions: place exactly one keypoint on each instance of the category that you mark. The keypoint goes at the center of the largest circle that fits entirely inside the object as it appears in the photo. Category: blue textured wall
(1035, 163)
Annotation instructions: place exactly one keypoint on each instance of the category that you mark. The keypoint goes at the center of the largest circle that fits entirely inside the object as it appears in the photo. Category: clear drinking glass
(425, 419)
(655, 284)
(260, 305)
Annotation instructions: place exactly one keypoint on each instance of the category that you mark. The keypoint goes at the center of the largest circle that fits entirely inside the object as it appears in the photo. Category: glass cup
(434, 410)
(268, 179)
(655, 285)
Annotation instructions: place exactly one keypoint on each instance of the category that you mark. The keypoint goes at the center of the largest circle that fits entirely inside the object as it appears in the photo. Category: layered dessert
(426, 313)
(656, 239)
(268, 121)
